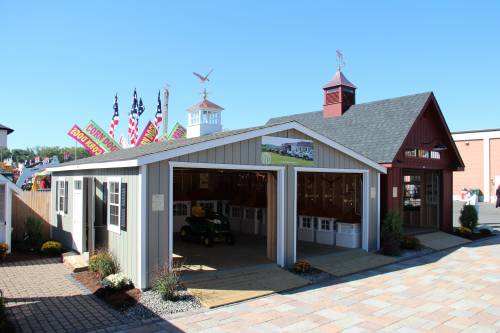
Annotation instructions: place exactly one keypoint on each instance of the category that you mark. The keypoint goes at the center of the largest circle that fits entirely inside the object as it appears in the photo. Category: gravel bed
(314, 276)
(151, 304)
(407, 254)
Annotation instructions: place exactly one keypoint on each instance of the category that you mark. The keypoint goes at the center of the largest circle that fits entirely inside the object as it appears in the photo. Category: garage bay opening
(329, 212)
(223, 219)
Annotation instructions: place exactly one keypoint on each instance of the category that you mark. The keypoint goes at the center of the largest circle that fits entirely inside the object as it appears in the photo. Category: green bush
(468, 217)
(391, 233)
(32, 233)
(166, 282)
(103, 263)
(410, 243)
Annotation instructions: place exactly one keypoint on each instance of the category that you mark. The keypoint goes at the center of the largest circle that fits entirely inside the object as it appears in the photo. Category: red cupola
(340, 94)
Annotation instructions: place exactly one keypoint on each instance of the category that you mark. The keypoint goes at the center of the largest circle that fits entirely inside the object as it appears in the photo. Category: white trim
(486, 169)
(82, 222)
(8, 217)
(195, 147)
(66, 192)
(102, 165)
(142, 210)
(476, 135)
(110, 227)
(280, 202)
(366, 204)
(378, 211)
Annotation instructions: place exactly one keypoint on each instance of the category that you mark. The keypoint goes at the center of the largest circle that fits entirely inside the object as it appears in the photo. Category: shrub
(468, 217)
(4, 247)
(3, 317)
(410, 243)
(52, 247)
(166, 282)
(103, 263)
(116, 281)
(391, 233)
(32, 233)
(302, 266)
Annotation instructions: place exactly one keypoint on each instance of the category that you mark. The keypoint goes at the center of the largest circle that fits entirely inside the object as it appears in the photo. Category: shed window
(306, 223)
(114, 206)
(235, 211)
(180, 209)
(250, 213)
(325, 225)
(62, 196)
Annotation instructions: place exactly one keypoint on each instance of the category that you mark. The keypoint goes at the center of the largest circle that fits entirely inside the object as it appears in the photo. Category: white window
(77, 185)
(61, 199)
(325, 225)
(114, 204)
(250, 213)
(235, 211)
(180, 209)
(306, 223)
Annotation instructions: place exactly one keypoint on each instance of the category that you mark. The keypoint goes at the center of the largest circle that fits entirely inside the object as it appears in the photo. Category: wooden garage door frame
(280, 170)
(366, 201)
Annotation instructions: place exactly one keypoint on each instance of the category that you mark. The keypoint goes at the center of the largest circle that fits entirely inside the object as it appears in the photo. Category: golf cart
(207, 227)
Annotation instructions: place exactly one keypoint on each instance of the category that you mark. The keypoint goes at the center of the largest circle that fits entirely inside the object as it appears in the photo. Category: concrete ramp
(221, 288)
(441, 240)
(349, 262)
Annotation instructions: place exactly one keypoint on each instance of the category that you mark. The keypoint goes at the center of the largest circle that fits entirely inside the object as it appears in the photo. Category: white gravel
(151, 304)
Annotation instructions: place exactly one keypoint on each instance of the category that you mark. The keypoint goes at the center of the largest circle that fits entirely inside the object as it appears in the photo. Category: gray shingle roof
(156, 147)
(9, 130)
(376, 129)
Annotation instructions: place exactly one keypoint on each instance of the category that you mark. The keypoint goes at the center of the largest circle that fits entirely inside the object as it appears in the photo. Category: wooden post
(271, 216)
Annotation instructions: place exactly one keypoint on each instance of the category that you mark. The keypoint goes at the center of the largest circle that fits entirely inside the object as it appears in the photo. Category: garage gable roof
(159, 151)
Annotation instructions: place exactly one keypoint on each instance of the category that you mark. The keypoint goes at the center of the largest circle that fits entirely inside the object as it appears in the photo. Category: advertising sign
(148, 135)
(101, 137)
(87, 142)
(277, 150)
(178, 132)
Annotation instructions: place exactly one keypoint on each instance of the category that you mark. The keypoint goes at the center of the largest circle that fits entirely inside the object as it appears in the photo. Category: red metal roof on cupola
(339, 80)
(205, 104)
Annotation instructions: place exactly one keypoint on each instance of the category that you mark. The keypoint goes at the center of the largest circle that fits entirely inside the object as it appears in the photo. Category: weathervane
(340, 60)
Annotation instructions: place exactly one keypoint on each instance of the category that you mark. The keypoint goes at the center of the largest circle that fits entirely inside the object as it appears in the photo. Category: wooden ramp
(349, 262)
(226, 287)
(441, 240)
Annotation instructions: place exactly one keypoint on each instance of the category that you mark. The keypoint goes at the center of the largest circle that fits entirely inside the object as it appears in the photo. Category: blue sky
(61, 62)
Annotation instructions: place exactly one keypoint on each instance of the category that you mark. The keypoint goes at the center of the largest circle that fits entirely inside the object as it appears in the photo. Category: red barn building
(408, 135)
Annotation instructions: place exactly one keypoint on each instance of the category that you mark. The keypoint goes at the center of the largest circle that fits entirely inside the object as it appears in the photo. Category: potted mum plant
(3, 250)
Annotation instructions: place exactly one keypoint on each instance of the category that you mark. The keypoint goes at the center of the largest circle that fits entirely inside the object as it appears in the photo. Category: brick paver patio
(449, 291)
(42, 298)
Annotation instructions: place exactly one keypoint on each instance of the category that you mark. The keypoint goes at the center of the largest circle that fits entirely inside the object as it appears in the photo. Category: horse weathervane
(202, 78)
(340, 60)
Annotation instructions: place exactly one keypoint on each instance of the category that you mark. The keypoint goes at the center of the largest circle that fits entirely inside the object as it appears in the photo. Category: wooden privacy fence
(26, 204)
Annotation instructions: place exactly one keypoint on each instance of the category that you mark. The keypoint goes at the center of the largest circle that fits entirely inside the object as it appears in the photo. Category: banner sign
(278, 150)
(87, 142)
(178, 132)
(148, 135)
(101, 137)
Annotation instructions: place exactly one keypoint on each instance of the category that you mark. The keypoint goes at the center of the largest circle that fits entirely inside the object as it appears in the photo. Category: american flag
(158, 118)
(115, 119)
(139, 113)
(132, 134)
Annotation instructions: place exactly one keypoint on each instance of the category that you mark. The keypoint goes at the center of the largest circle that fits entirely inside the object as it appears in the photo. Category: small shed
(7, 190)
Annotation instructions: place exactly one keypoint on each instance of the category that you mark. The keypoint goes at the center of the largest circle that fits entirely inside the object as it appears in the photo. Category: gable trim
(196, 147)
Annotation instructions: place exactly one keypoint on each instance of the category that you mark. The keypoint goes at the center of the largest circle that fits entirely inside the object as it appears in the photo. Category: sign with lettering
(178, 132)
(101, 137)
(148, 135)
(86, 141)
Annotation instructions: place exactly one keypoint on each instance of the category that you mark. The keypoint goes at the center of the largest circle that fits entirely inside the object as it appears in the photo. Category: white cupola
(204, 118)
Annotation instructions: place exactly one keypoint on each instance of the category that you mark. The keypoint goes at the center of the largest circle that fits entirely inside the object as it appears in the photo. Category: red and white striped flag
(158, 118)
(140, 110)
(132, 126)
(115, 119)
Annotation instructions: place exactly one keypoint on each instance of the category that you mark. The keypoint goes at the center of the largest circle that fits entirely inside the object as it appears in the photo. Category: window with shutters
(114, 204)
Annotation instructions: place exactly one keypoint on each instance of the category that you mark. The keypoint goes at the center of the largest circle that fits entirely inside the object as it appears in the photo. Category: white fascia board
(103, 165)
(476, 136)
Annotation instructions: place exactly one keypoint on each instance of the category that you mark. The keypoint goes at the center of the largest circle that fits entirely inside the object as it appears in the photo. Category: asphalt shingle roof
(9, 130)
(156, 147)
(376, 129)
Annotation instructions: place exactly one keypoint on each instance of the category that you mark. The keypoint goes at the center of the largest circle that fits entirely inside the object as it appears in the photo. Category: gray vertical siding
(124, 246)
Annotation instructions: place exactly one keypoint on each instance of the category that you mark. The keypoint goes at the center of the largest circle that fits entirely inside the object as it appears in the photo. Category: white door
(3, 220)
(78, 215)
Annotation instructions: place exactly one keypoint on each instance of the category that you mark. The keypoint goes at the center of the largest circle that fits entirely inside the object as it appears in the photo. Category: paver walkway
(449, 291)
(41, 298)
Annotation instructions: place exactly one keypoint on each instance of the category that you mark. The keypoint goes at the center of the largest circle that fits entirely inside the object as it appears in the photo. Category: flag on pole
(158, 118)
(115, 119)
(140, 111)
(66, 155)
(132, 120)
